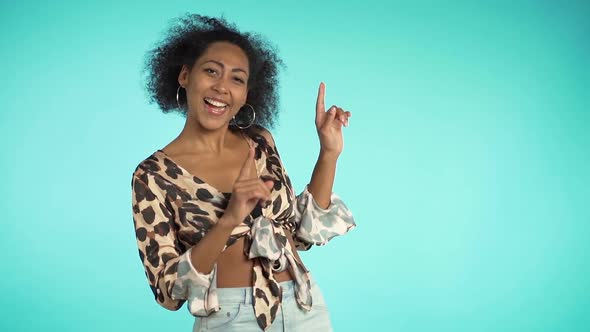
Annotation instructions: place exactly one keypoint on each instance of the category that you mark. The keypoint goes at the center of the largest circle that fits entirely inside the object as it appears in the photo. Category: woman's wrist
(227, 222)
(329, 156)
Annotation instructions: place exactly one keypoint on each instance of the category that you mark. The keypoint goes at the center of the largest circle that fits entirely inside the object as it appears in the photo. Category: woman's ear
(183, 76)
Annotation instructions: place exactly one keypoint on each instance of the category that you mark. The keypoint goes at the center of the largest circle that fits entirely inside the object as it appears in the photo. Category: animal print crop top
(173, 210)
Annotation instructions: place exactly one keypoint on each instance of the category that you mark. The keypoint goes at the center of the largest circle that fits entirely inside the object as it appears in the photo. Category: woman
(216, 219)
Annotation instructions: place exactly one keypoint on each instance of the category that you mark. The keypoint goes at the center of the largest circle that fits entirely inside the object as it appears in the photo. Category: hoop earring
(251, 122)
(177, 99)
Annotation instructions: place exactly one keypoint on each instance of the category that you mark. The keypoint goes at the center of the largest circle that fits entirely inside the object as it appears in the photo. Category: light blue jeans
(237, 312)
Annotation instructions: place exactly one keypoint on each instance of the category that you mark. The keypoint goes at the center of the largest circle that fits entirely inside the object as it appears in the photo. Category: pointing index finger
(320, 107)
(245, 171)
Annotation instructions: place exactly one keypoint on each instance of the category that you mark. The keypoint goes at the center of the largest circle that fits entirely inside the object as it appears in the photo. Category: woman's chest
(198, 207)
(221, 172)
(200, 201)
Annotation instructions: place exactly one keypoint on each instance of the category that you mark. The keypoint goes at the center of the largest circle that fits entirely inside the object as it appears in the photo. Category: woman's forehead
(225, 54)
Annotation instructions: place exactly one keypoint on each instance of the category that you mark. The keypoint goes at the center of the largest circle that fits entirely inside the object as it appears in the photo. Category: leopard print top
(173, 210)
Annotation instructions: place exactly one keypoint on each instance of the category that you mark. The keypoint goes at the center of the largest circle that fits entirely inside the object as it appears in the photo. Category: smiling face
(217, 85)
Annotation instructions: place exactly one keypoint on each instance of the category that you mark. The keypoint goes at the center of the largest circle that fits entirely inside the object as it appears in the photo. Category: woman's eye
(237, 79)
(210, 71)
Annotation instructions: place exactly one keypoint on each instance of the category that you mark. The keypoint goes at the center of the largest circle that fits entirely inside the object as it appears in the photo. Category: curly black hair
(186, 40)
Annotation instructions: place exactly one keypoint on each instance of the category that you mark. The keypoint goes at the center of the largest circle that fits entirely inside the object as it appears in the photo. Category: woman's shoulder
(259, 133)
(151, 165)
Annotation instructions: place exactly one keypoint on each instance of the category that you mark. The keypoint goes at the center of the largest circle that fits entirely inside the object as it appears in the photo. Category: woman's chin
(213, 124)
(210, 123)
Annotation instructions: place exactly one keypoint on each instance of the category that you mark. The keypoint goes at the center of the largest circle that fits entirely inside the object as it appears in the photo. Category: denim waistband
(244, 294)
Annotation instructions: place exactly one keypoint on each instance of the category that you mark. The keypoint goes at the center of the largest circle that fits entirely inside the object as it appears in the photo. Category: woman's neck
(195, 138)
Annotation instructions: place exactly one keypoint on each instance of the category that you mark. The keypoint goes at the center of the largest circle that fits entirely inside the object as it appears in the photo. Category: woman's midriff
(234, 269)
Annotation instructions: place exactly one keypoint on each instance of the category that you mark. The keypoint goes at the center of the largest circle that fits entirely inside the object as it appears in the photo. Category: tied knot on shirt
(268, 240)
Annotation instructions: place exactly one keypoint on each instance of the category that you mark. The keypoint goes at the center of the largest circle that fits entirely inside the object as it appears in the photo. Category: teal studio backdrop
(466, 162)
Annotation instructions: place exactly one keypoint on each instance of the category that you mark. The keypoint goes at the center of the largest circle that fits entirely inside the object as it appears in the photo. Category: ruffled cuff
(197, 288)
(316, 225)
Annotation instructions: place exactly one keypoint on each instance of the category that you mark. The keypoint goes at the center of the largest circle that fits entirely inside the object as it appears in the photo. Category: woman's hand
(329, 125)
(247, 192)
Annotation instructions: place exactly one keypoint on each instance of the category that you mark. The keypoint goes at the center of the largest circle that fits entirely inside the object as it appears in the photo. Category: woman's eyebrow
(223, 66)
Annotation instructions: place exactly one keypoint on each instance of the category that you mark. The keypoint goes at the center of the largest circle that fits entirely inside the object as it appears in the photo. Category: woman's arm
(157, 242)
(322, 179)
(329, 127)
(311, 223)
(173, 275)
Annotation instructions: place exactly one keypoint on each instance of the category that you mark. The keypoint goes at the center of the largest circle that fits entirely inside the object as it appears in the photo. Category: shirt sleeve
(170, 273)
(315, 225)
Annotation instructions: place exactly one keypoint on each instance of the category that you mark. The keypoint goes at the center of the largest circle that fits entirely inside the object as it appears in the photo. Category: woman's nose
(220, 86)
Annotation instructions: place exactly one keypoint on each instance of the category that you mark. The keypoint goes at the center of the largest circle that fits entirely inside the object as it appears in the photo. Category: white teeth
(215, 103)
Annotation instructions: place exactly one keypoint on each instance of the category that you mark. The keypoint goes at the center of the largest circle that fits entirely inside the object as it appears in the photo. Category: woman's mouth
(215, 107)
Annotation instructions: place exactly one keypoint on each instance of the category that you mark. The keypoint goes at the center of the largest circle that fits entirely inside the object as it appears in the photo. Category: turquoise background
(466, 162)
